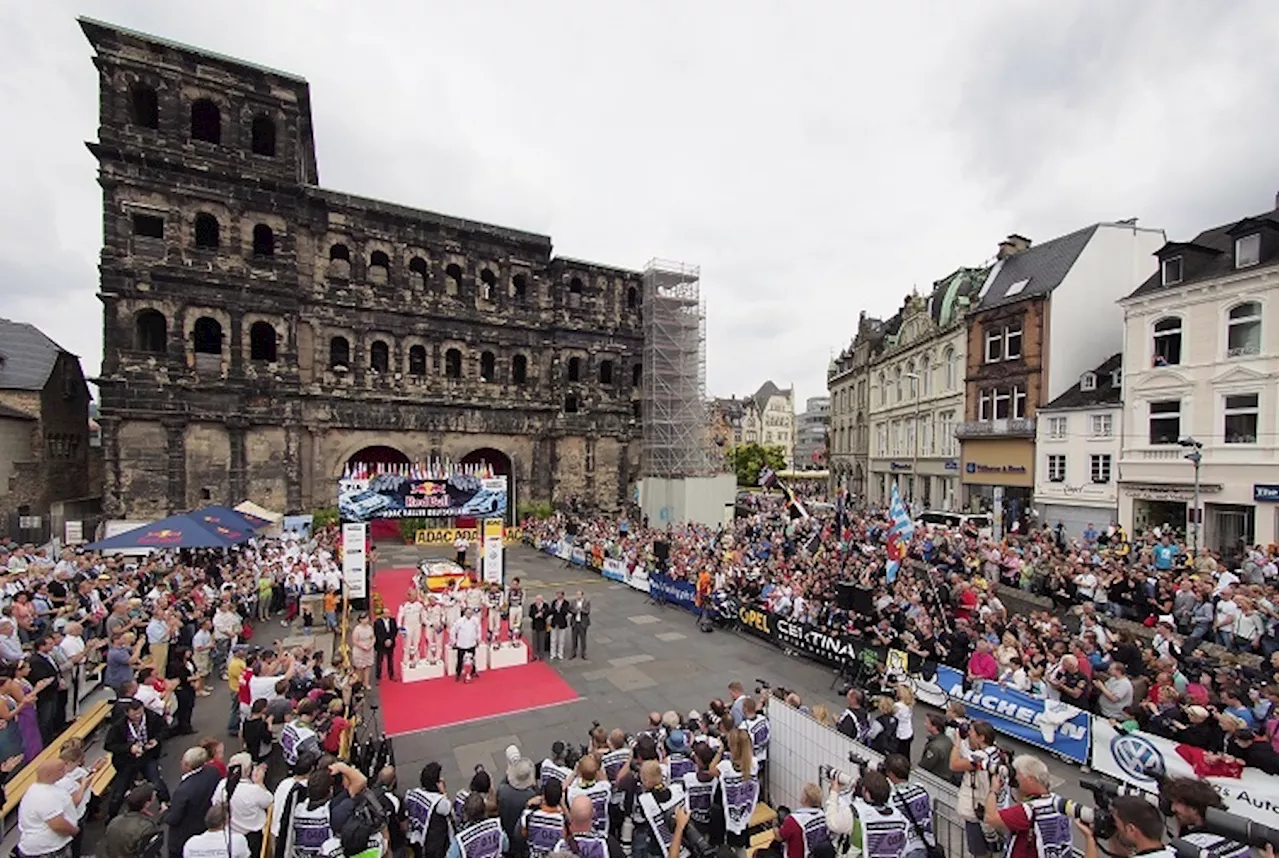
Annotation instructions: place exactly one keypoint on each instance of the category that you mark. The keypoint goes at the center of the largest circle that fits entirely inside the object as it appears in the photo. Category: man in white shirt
(226, 627)
(215, 842)
(249, 802)
(464, 637)
(46, 814)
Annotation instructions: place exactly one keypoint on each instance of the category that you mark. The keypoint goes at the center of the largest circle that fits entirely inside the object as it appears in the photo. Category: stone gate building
(260, 332)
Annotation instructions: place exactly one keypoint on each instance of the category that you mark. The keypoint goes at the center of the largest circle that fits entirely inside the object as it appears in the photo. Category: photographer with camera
(657, 802)
(480, 835)
(1039, 829)
(916, 805)
(1189, 801)
(594, 788)
(805, 831)
(1139, 830)
(975, 756)
(583, 838)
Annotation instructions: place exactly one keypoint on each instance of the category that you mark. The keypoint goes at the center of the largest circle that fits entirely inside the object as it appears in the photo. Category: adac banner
(677, 592)
(447, 535)
(397, 496)
(1139, 758)
(1049, 724)
(614, 570)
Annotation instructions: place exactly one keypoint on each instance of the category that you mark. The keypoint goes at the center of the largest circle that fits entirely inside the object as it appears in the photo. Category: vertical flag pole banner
(355, 563)
(900, 533)
(492, 550)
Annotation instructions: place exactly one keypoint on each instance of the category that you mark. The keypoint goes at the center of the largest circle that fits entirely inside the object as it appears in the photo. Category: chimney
(1012, 246)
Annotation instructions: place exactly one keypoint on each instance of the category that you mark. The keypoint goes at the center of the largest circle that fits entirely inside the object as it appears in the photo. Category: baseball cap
(513, 754)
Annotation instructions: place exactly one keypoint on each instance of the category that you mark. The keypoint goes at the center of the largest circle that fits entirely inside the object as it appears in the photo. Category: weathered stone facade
(259, 330)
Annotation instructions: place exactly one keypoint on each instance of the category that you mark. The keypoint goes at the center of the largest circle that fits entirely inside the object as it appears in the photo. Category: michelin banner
(1047, 724)
(1135, 757)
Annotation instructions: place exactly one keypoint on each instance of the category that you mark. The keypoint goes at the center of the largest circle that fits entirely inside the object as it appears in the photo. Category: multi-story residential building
(1201, 367)
(848, 384)
(1043, 318)
(769, 420)
(1078, 452)
(917, 396)
(811, 433)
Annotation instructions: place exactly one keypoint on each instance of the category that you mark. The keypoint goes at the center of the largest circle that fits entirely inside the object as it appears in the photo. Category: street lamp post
(915, 446)
(1195, 458)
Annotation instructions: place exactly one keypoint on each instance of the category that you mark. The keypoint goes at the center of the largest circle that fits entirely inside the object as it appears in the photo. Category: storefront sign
(979, 468)
(1262, 493)
(951, 465)
(1171, 492)
(998, 462)
(899, 466)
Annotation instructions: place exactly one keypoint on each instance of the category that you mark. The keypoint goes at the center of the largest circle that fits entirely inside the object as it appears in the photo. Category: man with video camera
(1037, 826)
(916, 805)
(1139, 829)
(1189, 800)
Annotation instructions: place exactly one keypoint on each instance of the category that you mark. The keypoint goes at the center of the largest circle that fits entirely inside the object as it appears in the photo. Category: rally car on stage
(440, 575)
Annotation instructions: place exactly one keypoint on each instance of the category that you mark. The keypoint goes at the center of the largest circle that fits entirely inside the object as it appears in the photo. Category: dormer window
(1171, 271)
(1248, 250)
(1116, 375)
(1089, 381)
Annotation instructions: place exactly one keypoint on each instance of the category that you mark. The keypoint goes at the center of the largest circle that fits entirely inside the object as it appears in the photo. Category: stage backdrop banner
(395, 496)
(1129, 756)
(677, 592)
(1046, 724)
(614, 570)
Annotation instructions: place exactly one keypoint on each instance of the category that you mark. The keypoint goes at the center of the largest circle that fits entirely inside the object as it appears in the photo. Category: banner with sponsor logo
(578, 557)
(398, 496)
(638, 578)
(1048, 724)
(815, 643)
(677, 592)
(447, 535)
(564, 549)
(354, 561)
(757, 622)
(614, 570)
(1135, 757)
(493, 536)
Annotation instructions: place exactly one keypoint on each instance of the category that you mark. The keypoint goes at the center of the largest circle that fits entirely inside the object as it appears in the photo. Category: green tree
(748, 459)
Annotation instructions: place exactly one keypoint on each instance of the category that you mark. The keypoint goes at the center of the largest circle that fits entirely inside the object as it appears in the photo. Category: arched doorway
(500, 463)
(372, 460)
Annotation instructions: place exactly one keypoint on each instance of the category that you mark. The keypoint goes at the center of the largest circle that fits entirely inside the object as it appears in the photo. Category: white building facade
(1200, 354)
(811, 434)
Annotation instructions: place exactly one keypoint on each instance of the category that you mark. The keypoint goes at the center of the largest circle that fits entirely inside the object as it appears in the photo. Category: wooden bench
(102, 779)
(82, 729)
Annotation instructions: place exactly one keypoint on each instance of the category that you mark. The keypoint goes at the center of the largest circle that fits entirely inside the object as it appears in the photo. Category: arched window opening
(1244, 329)
(575, 293)
(633, 298)
(379, 267)
(488, 367)
(379, 357)
(339, 353)
(606, 372)
(339, 261)
(339, 252)
(520, 369)
(207, 231)
(452, 279)
(417, 360)
(453, 364)
(146, 106)
(206, 121)
(150, 332)
(571, 404)
(635, 409)
(635, 375)
(418, 271)
(206, 336)
(1167, 342)
(949, 358)
(264, 241)
(488, 280)
(520, 288)
(262, 342)
(263, 134)
(575, 369)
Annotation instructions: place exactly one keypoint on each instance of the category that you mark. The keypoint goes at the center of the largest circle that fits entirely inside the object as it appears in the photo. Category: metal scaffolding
(674, 375)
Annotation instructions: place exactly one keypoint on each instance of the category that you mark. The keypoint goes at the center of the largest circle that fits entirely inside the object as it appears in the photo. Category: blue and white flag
(899, 536)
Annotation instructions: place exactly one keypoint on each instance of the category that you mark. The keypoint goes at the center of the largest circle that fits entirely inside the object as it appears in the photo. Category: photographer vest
(1050, 829)
(459, 806)
(308, 830)
(481, 839)
(1215, 846)
(292, 737)
(428, 828)
(740, 794)
(612, 763)
(974, 784)
(593, 845)
(543, 830)
(552, 771)
(813, 825)
(758, 727)
(915, 804)
(884, 830)
(655, 814)
(678, 765)
(701, 797)
(854, 724)
(599, 792)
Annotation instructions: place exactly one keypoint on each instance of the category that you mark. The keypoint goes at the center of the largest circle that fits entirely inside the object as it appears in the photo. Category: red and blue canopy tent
(207, 527)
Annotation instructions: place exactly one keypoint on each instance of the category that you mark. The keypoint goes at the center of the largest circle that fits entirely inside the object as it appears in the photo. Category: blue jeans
(233, 718)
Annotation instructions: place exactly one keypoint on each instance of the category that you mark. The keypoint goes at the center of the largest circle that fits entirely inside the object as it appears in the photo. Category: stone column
(176, 448)
(112, 496)
(293, 469)
(237, 468)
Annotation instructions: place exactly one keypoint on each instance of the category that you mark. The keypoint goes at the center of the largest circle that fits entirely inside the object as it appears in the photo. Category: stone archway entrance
(378, 455)
(501, 464)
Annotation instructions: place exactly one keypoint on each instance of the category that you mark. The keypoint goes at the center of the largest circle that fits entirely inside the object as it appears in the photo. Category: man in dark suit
(579, 622)
(45, 675)
(191, 798)
(539, 611)
(559, 626)
(133, 741)
(384, 644)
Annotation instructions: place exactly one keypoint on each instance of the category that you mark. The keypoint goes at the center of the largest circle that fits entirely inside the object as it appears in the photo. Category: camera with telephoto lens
(960, 725)
(692, 838)
(1099, 816)
(827, 774)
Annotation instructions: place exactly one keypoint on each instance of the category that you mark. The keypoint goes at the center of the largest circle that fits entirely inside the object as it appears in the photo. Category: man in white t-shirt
(216, 842)
(46, 814)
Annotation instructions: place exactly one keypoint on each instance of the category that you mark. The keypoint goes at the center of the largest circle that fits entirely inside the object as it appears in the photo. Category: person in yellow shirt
(235, 667)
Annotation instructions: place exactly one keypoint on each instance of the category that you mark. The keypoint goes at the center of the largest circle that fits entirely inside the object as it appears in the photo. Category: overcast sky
(815, 158)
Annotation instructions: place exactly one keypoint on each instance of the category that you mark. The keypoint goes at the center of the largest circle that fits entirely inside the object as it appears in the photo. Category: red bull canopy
(208, 527)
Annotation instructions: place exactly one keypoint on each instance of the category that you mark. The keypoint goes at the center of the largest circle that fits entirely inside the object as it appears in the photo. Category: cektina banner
(1134, 757)
(677, 592)
(614, 570)
(1048, 724)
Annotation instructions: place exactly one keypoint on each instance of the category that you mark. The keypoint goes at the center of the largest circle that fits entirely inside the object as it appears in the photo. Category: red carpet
(409, 707)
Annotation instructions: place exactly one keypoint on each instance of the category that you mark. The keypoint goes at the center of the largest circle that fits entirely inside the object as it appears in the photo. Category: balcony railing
(1021, 427)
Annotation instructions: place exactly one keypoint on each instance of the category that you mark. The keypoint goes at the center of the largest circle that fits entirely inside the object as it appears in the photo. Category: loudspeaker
(844, 595)
(864, 601)
(662, 551)
(571, 528)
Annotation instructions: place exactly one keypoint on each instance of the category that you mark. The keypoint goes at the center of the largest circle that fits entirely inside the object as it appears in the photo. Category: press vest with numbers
(813, 825)
(884, 830)
(655, 816)
(427, 827)
(543, 830)
(482, 839)
(1051, 829)
(758, 727)
(915, 804)
(701, 797)
(599, 792)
